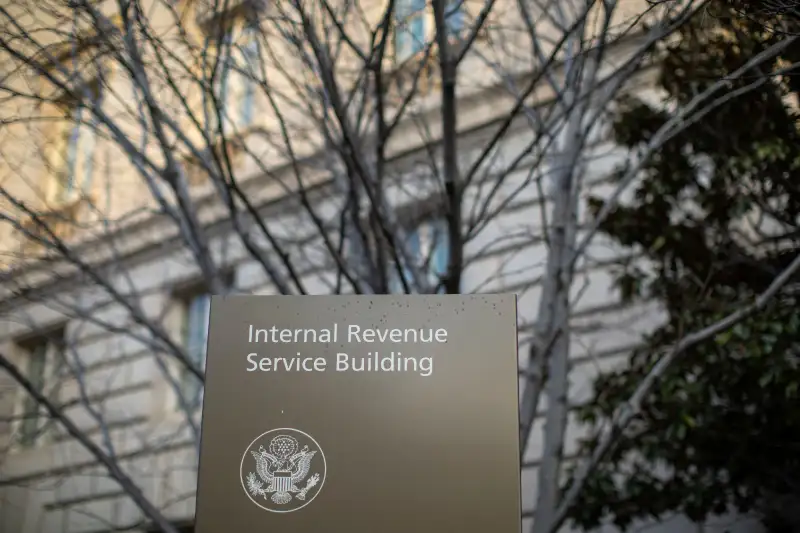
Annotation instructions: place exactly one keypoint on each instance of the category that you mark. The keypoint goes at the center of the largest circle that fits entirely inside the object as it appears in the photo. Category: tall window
(77, 158)
(42, 355)
(454, 16)
(239, 68)
(410, 28)
(224, 79)
(195, 313)
(428, 248)
(413, 25)
(250, 55)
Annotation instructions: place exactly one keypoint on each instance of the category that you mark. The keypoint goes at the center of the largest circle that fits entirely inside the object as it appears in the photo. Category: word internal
(354, 334)
(372, 362)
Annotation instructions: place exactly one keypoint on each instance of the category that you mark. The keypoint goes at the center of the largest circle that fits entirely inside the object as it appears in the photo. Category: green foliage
(722, 429)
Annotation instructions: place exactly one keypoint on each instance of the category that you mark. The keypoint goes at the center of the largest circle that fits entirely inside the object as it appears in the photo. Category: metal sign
(361, 414)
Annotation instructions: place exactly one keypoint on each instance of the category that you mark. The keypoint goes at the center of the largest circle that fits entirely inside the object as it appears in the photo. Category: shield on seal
(282, 481)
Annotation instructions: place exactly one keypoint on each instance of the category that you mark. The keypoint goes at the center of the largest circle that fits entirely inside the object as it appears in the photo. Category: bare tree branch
(113, 468)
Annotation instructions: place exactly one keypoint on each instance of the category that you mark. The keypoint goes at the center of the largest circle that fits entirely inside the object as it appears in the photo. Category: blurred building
(65, 323)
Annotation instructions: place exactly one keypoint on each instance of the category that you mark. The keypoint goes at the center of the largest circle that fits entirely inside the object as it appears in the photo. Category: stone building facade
(49, 483)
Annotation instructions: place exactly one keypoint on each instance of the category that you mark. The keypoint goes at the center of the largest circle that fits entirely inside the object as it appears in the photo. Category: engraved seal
(283, 470)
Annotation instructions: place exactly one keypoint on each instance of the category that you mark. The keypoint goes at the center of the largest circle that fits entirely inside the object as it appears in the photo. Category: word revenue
(354, 334)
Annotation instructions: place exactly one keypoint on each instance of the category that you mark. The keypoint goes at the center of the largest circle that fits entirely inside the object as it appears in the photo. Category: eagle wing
(303, 466)
(263, 462)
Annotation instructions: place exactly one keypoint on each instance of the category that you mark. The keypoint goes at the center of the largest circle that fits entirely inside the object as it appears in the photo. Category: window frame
(234, 86)
(250, 51)
(414, 23)
(226, 48)
(195, 344)
(26, 408)
(77, 147)
(454, 8)
(430, 245)
(180, 300)
(410, 17)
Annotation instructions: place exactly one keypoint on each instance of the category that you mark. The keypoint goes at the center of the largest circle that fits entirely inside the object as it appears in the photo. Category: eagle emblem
(282, 470)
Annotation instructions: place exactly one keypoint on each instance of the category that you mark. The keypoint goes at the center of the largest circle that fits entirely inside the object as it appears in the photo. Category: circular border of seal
(324, 465)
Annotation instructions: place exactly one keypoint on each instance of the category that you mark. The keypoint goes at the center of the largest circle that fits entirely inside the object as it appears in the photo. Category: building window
(223, 80)
(411, 25)
(454, 17)
(189, 315)
(43, 357)
(409, 28)
(428, 248)
(236, 83)
(250, 54)
(78, 151)
(194, 333)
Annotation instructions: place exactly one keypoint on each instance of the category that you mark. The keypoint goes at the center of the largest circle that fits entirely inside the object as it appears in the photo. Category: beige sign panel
(384, 414)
